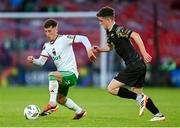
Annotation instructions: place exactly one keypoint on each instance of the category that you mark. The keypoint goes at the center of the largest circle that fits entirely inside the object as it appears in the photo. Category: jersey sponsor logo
(56, 57)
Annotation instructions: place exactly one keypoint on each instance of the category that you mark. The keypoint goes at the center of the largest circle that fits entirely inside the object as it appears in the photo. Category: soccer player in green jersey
(59, 48)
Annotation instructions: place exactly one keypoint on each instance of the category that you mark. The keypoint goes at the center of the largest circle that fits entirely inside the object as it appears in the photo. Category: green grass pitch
(103, 109)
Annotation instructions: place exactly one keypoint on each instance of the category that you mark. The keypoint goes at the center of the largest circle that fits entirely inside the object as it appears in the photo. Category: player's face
(105, 22)
(51, 33)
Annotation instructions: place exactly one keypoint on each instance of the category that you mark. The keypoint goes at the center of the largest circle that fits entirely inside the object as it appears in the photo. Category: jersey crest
(122, 32)
(54, 52)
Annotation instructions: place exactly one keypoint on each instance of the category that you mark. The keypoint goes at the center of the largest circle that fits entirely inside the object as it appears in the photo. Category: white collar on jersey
(52, 41)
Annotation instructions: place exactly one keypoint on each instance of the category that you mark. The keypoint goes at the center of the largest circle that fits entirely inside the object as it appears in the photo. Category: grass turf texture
(104, 110)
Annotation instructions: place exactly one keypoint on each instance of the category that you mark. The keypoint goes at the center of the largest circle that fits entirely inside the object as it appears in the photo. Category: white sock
(53, 89)
(139, 97)
(71, 105)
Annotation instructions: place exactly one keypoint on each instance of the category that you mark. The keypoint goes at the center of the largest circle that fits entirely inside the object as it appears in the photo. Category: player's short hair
(106, 12)
(50, 22)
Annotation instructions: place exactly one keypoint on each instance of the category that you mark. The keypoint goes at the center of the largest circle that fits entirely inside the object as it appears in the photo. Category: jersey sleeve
(84, 40)
(123, 32)
(44, 52)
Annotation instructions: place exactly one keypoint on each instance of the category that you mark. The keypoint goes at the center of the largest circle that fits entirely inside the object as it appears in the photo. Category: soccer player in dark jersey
(118, 37)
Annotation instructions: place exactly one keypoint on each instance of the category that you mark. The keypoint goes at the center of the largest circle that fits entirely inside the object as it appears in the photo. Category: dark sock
(151, 107)
(125, 93)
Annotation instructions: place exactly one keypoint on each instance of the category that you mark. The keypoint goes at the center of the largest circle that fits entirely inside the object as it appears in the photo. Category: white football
(31, 112)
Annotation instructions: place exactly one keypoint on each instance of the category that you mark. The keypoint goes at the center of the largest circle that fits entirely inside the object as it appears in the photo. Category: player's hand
(147, 57)
(96, 49)
(91, 55)
(30, 59)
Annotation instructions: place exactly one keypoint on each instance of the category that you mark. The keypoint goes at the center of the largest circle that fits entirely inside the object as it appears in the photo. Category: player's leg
(137, 84)
(141, 98)
(70, 104)
(69, 79)
(133, 75)
(54, 78)
(137, 90)
(116, 88)
(128, 76)
(146, 102)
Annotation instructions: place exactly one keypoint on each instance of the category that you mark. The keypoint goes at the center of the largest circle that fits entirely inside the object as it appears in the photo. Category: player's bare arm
(136, 37)
(106, 48)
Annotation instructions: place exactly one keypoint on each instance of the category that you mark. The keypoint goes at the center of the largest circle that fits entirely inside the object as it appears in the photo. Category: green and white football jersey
(61, 51)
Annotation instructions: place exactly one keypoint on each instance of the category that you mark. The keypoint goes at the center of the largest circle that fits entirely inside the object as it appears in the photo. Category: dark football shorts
(133, 75)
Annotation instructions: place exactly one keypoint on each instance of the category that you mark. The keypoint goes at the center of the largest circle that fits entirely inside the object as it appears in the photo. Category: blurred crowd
(71, 5)
(19, 38)
(54, 5)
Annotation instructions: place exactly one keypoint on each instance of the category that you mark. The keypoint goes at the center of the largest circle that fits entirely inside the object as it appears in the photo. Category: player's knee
(52, 76)
(61, 100)
(55, 76)
(110, 90)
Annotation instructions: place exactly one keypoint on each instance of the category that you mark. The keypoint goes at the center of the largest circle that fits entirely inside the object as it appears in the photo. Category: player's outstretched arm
(106, 48)
(136, 37)
(40, 61)
(85, 41)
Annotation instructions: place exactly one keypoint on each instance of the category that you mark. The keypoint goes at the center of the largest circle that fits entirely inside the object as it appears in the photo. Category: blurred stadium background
(157, 21)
